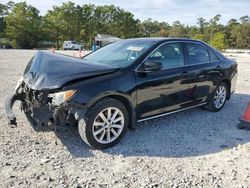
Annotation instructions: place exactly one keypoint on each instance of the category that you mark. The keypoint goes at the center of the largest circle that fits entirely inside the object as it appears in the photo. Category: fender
(130, 103)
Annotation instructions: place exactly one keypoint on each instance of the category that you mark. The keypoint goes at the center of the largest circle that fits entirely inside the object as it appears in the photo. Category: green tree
(149, 27)
(116, 21)
(199, 36)
(161, 33)
(241, 34)
(3, 14)
(3, 10)
(218, 41)
(202, 23)
(52, 26)
(83, 23)
(213, 27)
(124, 24)
(245, 19)
(177, 30)
(229, 33)
(246, 35)
(23, 25)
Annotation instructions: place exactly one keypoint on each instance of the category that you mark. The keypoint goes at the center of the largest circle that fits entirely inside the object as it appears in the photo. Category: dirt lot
(194, 148)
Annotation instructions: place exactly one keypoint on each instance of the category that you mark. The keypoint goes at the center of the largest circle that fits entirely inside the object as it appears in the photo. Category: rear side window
(197, 53)
(213, 57)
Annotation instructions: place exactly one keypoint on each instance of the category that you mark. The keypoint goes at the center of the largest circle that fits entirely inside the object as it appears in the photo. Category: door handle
(218, 67)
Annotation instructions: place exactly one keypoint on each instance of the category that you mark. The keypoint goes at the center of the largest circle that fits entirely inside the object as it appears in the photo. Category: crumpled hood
(51, 71)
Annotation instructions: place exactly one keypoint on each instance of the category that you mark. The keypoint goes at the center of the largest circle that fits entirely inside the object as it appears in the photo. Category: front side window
(197, 53)
(170, 55)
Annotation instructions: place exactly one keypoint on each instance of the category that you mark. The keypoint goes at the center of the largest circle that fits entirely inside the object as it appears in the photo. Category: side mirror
(150, 65)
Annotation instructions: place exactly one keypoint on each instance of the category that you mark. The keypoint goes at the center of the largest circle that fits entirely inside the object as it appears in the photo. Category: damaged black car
(129, 81)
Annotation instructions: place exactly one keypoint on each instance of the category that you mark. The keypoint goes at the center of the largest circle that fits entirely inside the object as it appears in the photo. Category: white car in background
(71, 45)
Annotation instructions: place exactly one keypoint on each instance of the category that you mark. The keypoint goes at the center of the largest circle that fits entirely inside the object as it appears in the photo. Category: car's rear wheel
(104, 124)
(218, 99)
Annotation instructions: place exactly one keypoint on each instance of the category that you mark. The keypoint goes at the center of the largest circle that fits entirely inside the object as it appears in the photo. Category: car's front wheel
(218, 99)
(104, 124)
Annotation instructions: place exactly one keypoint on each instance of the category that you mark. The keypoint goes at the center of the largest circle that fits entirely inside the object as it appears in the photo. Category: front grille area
(35, 98)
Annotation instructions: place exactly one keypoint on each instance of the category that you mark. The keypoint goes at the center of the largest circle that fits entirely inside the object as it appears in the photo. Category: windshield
(121, 53)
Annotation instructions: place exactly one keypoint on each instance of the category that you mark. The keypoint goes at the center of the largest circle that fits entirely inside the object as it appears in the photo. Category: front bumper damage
(38, 108)
(11, 117)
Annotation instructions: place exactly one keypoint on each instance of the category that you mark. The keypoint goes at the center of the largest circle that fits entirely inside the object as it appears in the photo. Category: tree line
(22, 26)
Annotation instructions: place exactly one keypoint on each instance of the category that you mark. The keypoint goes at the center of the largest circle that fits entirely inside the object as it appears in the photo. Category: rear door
(204, 71)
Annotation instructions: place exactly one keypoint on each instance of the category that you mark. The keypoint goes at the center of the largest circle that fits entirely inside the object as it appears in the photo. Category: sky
(186, 11)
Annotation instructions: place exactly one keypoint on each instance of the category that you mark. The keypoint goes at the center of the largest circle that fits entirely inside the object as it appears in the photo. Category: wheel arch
(228, 83)
(125, 101)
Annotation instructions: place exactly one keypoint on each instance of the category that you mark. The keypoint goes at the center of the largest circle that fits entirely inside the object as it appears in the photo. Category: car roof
(164, 39)
(159, 40)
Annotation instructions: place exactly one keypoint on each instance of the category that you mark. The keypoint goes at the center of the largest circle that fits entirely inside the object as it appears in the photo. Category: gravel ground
(194, 148)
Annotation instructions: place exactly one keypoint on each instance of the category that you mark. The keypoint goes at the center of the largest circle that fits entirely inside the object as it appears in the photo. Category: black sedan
(128, 81)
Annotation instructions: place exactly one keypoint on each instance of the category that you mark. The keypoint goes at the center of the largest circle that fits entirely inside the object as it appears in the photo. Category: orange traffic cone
(53, 49)
(245, 120)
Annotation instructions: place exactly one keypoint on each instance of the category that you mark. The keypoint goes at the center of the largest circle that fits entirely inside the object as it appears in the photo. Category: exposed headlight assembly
(61, 97)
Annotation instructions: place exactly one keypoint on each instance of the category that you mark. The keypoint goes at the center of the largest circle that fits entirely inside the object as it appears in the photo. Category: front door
(165, 90)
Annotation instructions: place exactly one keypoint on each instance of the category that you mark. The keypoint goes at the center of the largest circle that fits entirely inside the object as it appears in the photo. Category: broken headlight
(61, 97)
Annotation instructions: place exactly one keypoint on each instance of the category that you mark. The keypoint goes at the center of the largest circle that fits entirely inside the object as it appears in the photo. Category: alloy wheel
(108, 125)
(220, 97)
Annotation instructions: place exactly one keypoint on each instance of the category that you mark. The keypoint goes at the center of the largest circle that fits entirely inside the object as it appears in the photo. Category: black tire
(211, 101)
(85, 124)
